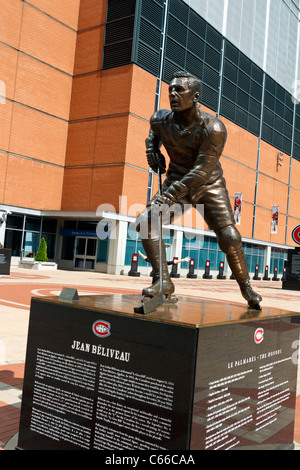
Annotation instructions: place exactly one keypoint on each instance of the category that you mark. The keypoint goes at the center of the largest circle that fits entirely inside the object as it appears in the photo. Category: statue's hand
(173, 194)
(156, 160)
(165, 199)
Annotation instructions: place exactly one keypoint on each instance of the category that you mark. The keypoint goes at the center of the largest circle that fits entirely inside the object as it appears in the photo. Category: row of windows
(24, 232)
(119, 33)
(203, 249)
(296, 152)
(134, 34)
(278, 116)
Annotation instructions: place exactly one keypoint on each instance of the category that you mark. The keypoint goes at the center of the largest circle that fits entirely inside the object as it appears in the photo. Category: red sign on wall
(296, 235)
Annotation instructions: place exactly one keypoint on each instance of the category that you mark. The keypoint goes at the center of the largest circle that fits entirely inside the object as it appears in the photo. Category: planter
(37, 265)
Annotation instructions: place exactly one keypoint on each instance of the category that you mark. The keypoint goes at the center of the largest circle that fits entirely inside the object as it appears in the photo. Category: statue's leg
(151, 247)
(230, 242)
(219, 217)
(148, 228)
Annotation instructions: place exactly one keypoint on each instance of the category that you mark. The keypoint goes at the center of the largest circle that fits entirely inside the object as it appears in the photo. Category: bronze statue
(194, 141)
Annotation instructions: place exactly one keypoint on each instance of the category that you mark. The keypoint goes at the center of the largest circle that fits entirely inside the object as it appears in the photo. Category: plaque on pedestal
(292, 275)
(197, 375)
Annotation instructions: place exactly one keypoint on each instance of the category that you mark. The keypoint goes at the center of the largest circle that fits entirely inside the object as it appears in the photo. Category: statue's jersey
(197, 147)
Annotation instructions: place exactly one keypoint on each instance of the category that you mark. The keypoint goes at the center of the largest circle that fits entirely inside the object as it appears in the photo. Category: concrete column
(267, 258)
(3, 217)
(177, 244)
(2, 230)
(117, 247)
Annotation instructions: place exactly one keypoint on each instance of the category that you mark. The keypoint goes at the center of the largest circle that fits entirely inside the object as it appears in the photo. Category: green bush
(42, 251)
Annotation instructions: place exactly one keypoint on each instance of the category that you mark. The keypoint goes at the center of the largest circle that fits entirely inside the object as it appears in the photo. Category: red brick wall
(109, 117)
(37, 49)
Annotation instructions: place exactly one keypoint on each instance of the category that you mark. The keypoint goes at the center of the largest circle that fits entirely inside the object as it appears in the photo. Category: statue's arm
(154, 156)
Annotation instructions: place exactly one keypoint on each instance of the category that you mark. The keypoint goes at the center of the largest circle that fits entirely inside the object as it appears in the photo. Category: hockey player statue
(194, 141)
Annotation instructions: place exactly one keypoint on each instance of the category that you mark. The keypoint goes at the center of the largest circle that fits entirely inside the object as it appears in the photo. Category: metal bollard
(206, 275)
(191, 274)
(174, 272)
(275, 277)
(221, 271)
(266, 276)
(256, 277)
(134, 266)
(284, 275)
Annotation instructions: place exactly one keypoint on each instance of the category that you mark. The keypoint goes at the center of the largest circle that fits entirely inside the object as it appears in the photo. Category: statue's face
(180, 96)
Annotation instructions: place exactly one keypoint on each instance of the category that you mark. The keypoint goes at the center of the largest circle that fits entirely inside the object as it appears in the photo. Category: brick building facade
(80, 80)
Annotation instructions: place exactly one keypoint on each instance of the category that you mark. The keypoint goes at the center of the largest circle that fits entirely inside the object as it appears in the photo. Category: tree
(42, 251)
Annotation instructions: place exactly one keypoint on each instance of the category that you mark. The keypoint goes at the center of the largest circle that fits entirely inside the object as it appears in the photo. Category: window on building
(278, 256)
(67, 250)
(103, 244)
(49, 229)
(68, 242)
(32, 223)
(202, 249)
(134, 245)
(296, 153)
(102, 251)
(13, 240)
(241, 90)
(24, 232)
(119, 33)
(15, 221)
(14, 233)
(255, 256)
(89, 226)
(278, 116)
(31, 243)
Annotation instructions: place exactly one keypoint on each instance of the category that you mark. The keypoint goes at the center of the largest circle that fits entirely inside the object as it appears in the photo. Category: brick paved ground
(11, 383)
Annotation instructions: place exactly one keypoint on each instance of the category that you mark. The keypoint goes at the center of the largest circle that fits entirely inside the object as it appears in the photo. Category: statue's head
(184, 91)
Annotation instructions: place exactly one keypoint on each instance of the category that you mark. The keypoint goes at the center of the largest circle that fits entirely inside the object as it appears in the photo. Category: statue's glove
(156, 160)
(172, 195)
(154, 156)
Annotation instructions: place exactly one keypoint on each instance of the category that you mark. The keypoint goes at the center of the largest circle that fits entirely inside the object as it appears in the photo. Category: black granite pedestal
(292, 276)
(198, 375)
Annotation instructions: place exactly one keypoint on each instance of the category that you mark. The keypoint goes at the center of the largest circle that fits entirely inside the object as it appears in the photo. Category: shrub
(42, 251)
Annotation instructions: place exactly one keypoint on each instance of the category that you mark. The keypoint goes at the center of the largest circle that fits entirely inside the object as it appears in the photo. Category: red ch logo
(259, 335)
(101, 328)
(296, 234)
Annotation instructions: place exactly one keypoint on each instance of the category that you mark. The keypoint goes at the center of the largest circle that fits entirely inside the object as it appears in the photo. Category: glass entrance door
(85, 253)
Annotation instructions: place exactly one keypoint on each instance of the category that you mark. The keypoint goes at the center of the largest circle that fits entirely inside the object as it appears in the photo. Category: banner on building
(238, 208)
(274, 223)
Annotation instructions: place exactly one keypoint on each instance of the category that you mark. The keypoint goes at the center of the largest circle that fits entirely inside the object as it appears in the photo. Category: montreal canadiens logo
(259, 335)
(296, 235)
(101, 328)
